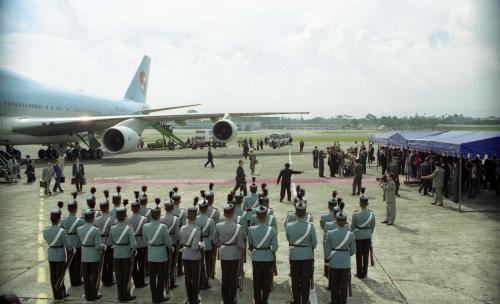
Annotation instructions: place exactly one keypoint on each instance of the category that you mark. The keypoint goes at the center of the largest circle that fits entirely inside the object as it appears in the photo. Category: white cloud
(329, 57)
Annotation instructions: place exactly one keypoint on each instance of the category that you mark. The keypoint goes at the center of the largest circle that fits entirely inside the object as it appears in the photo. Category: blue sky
(384, 57)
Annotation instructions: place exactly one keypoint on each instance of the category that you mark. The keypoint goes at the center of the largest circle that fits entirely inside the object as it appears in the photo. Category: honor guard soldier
(263, 243)
(339, 247)
(229, 236)
(207, 226)
(292, 215)
(214, 214)
(333, 224)
(328, 216)
(145, 211)
(181, 214)
(57, 241)
(90, 239)
(116, 200)
(124, 245)
(250, 201)
(91, 204)
(137, 222)
(160, 246)
(104, 223)
(238, 202)
(70, 224)
(363, 224)
(270, 218)
(174, 227)
(301, 237)
(190, 237)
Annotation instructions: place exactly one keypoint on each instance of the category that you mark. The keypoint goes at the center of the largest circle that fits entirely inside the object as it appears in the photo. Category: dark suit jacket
(81, 172)
(286, 176)
(240, 175)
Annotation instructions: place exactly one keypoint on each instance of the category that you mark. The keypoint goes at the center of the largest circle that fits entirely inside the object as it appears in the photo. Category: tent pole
(460, 185)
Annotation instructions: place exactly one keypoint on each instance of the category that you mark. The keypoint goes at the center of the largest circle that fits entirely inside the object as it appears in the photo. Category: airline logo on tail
(142, 80)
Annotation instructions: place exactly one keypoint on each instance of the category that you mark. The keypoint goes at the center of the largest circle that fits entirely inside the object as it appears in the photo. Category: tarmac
(431, 255)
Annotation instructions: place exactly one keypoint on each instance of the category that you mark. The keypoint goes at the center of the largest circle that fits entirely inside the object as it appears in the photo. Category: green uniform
(71, 224)
(90, 239)
(291, 217)
(122, 248)
(156, 235)
(207, 226)
(181, 214)
(301, 236)
(57, 240)
(250, 201)
(325, 218)
(363, 225)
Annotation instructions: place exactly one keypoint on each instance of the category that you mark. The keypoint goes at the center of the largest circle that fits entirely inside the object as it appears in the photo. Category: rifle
(132, 265)
(372, 261)
(240, 272)
(350, 285)
(203, 264)
(99, 271)
(60, 279)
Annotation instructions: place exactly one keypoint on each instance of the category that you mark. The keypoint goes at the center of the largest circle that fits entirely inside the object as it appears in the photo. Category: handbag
(63, 179)
(73, 181)
(43, 184)
(84, 181)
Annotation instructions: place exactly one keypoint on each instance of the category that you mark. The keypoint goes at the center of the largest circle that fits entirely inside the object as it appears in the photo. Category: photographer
(389, 186)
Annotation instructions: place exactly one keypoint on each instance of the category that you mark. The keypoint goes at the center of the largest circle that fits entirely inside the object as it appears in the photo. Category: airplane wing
(69, 125)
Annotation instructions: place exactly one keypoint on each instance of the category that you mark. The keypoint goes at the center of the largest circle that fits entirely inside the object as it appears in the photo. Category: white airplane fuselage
(24, 98)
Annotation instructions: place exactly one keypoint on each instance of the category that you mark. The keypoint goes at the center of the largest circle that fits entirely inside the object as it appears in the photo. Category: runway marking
(41, 253)
(42, 298)
(42, 276)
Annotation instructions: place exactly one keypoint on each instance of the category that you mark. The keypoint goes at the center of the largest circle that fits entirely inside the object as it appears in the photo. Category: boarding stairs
(4, 168)
(167, 131)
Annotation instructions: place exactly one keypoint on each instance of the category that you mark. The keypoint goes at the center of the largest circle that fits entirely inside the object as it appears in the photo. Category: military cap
(263, 200)
(104, 203)
(116, 198)
(135, 204)
(90, 199)
(238, 198)
(229, 208)
(176, 197)
(175, 189)
(88, 213)
(192, 211)
(203, 204)
(261, 210)
(55, 213)
(121, 211)
(363, 199)
(302, 205)
(341, 216)
(72, 203)
(168, 204)
(143, 199)
(332, 202)
(155, 211)
(253, 187)
(209, 194)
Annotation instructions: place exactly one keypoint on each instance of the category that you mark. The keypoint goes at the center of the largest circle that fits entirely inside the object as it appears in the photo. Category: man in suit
(240, 178)
(47, 174)
(358, 177)
(210, 158)
(394, 169)
(437, 183)
(57, 175)
(425, 169)
(285, 177)
(390, 199)
(315, 154)
(78, 174)
(321, 163)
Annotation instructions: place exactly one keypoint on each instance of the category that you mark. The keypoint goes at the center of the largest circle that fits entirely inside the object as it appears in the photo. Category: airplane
(34, 113)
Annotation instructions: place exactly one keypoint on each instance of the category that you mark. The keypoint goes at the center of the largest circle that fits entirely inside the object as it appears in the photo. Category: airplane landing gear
(49, 153)
(13, 151)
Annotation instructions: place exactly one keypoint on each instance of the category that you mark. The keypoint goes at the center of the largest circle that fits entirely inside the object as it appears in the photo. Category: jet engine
(120, 139)
(224, 130)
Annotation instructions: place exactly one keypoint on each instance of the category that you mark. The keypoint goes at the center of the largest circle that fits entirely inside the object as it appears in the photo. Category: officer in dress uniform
(190, 239)
(145, 211)
(339, 247)
(270, 218)
(91, 204)
(137, 222)
(173, 224)
(292, 215)
(104, 223)
(70, 224)
(238, 202)
(157, 236)
(214, 214)
(90, 239)
(328, 216)
(207, 226)
(363, 224)
(250, 201)
(229, 236)
(301, 236)
(122, 239)
(57, 241)
(263, 242)
(333, 224)
(181, 214)
(116, 199)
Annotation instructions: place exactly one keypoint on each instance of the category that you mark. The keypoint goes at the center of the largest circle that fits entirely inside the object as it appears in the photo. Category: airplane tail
(138, 88)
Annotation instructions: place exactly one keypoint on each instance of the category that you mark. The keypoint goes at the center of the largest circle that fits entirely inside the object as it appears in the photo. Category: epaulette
(254, 227)
(356, 210)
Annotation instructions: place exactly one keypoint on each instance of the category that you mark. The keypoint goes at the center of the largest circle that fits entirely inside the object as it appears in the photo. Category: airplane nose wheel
(41, 154)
